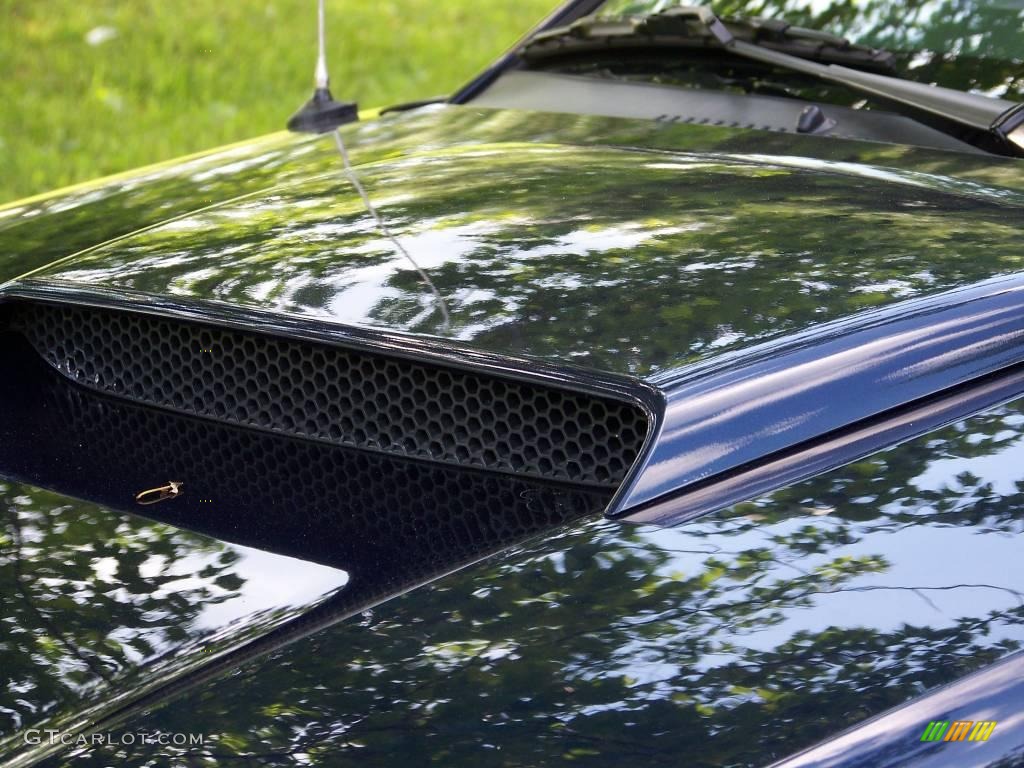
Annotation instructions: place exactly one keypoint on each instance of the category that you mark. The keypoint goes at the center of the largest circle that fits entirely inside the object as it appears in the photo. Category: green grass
(178, 76)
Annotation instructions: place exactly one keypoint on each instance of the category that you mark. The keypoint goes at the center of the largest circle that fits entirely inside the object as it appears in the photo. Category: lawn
(91, 87)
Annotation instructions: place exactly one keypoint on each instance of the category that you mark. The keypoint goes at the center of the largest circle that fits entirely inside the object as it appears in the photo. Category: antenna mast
(322, 113)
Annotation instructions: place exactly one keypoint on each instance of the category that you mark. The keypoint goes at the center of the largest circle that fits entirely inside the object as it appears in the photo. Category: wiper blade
(677, 28)
(996, 124)
(990, 123)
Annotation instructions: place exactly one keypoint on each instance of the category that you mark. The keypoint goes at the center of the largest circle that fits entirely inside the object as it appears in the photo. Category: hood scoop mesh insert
(339, 395)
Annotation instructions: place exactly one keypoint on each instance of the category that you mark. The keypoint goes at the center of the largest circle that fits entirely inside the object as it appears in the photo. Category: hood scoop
(345, 396)
(269, 539)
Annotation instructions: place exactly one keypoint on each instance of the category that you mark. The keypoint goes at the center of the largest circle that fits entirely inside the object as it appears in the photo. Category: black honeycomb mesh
(342, 396)
(375, 515)
(391, 523)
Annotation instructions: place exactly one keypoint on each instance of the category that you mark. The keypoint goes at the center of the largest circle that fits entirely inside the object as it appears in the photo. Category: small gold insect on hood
(154, 495)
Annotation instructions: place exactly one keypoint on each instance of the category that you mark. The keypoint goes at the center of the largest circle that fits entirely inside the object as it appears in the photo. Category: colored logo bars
(958, 730)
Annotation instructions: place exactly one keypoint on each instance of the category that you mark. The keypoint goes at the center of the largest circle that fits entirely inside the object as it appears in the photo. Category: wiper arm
(997, 124)
(990, 123)
(678, 28)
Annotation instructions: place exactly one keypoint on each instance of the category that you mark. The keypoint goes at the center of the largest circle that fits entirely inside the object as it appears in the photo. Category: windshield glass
(974, 45)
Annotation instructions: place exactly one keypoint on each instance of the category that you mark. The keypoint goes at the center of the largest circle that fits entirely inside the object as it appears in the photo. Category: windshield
(972, 45)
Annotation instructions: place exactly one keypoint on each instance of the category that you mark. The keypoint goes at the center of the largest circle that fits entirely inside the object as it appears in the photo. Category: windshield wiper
(987, 122)
(681, 27)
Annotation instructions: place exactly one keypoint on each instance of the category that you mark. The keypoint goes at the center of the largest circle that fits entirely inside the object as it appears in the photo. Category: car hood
(623, 246)
(627, 248)
(625, 255)
(734, 640)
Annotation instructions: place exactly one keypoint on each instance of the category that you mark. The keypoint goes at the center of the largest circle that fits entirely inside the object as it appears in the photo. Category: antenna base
(322, 114)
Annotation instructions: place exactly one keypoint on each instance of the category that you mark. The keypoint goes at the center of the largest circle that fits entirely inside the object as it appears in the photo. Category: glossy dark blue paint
(286, 244)
(893, 740)
(653, 260)
(688, 284)
(744, 410)
(834, 449)
(737, 639)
